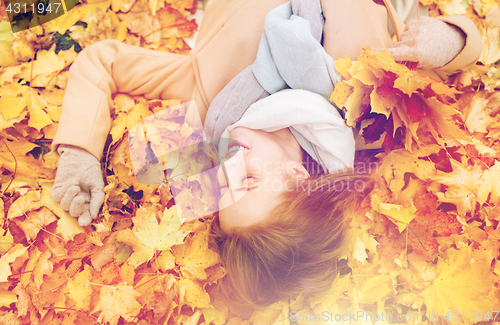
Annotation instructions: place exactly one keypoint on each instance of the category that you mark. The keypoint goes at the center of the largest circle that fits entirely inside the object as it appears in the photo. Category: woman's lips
(235, 144)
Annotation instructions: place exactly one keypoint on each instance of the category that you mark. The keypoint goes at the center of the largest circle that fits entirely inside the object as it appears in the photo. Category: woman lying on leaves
(266, 83)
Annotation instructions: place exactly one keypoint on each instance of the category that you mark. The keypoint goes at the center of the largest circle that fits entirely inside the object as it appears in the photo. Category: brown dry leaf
(36, 221)
(8, 258)
(43, 267)
(30, 201)
(24, 305)
(6, 242)
(105, 253)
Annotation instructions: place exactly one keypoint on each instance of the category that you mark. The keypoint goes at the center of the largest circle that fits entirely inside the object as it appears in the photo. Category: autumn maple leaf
(147, 236)
(115, 302)
(462, 186)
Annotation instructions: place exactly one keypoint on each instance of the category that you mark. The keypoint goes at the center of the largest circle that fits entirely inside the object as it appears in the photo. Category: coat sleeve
(469, 55)
(471, 51)
(109, 67)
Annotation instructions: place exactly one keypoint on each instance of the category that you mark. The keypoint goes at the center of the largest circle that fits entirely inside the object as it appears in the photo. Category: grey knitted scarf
(290, 55)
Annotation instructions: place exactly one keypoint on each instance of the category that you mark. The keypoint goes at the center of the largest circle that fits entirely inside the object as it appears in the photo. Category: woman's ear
(297, 170)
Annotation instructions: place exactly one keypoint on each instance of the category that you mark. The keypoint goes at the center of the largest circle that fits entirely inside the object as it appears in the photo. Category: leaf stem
(15, 166)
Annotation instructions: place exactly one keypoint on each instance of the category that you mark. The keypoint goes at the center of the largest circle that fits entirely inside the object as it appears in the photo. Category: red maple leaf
(415, 107)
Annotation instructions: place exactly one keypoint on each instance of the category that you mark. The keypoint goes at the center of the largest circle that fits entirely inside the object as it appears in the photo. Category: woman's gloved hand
(430, 42)
(79, 183)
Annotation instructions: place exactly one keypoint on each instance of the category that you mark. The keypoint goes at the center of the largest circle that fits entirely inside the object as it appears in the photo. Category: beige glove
(79, 183)
(430, 42)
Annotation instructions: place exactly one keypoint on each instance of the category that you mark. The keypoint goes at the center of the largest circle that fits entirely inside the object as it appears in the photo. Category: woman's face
(263, 167)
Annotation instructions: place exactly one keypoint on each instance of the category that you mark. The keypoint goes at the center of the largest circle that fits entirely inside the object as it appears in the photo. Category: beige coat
(227, 43)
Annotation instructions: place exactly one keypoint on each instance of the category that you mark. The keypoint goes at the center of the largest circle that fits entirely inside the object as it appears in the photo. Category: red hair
(295, 249)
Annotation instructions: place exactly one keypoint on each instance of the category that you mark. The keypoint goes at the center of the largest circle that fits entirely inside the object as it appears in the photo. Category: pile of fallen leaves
(425, 241)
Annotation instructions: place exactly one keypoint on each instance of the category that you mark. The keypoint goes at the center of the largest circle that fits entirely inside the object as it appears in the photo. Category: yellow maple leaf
(380, 61)
(67, 226)
(366, 76)
(343, 65)
(329, 300)
(490, 185)
(46, 63)
(6, 298)
(462, 185)
(453, 7)
(410, 81)
(340, 94)
(38, 117)
(18, 147)
(373, 288)
(6, 241)
(123, 6)
(491, 45)
(6, 40)
(9, 107)
(4, 124)
(2, 212)
(126, 120)
(441, 119)
(140, 22)
(359, 98)
(192, 294)
(195, 256)
(215, 316)
(400, 215)
(383, 105)
(115, 302)
(9, 257)
(148, 236)
(361, 241)
(79, 289)
(166, 261)
(397, 163)
(482, 7)
(478, 119)
(182, 5)
(463, 284)
(276, 314)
